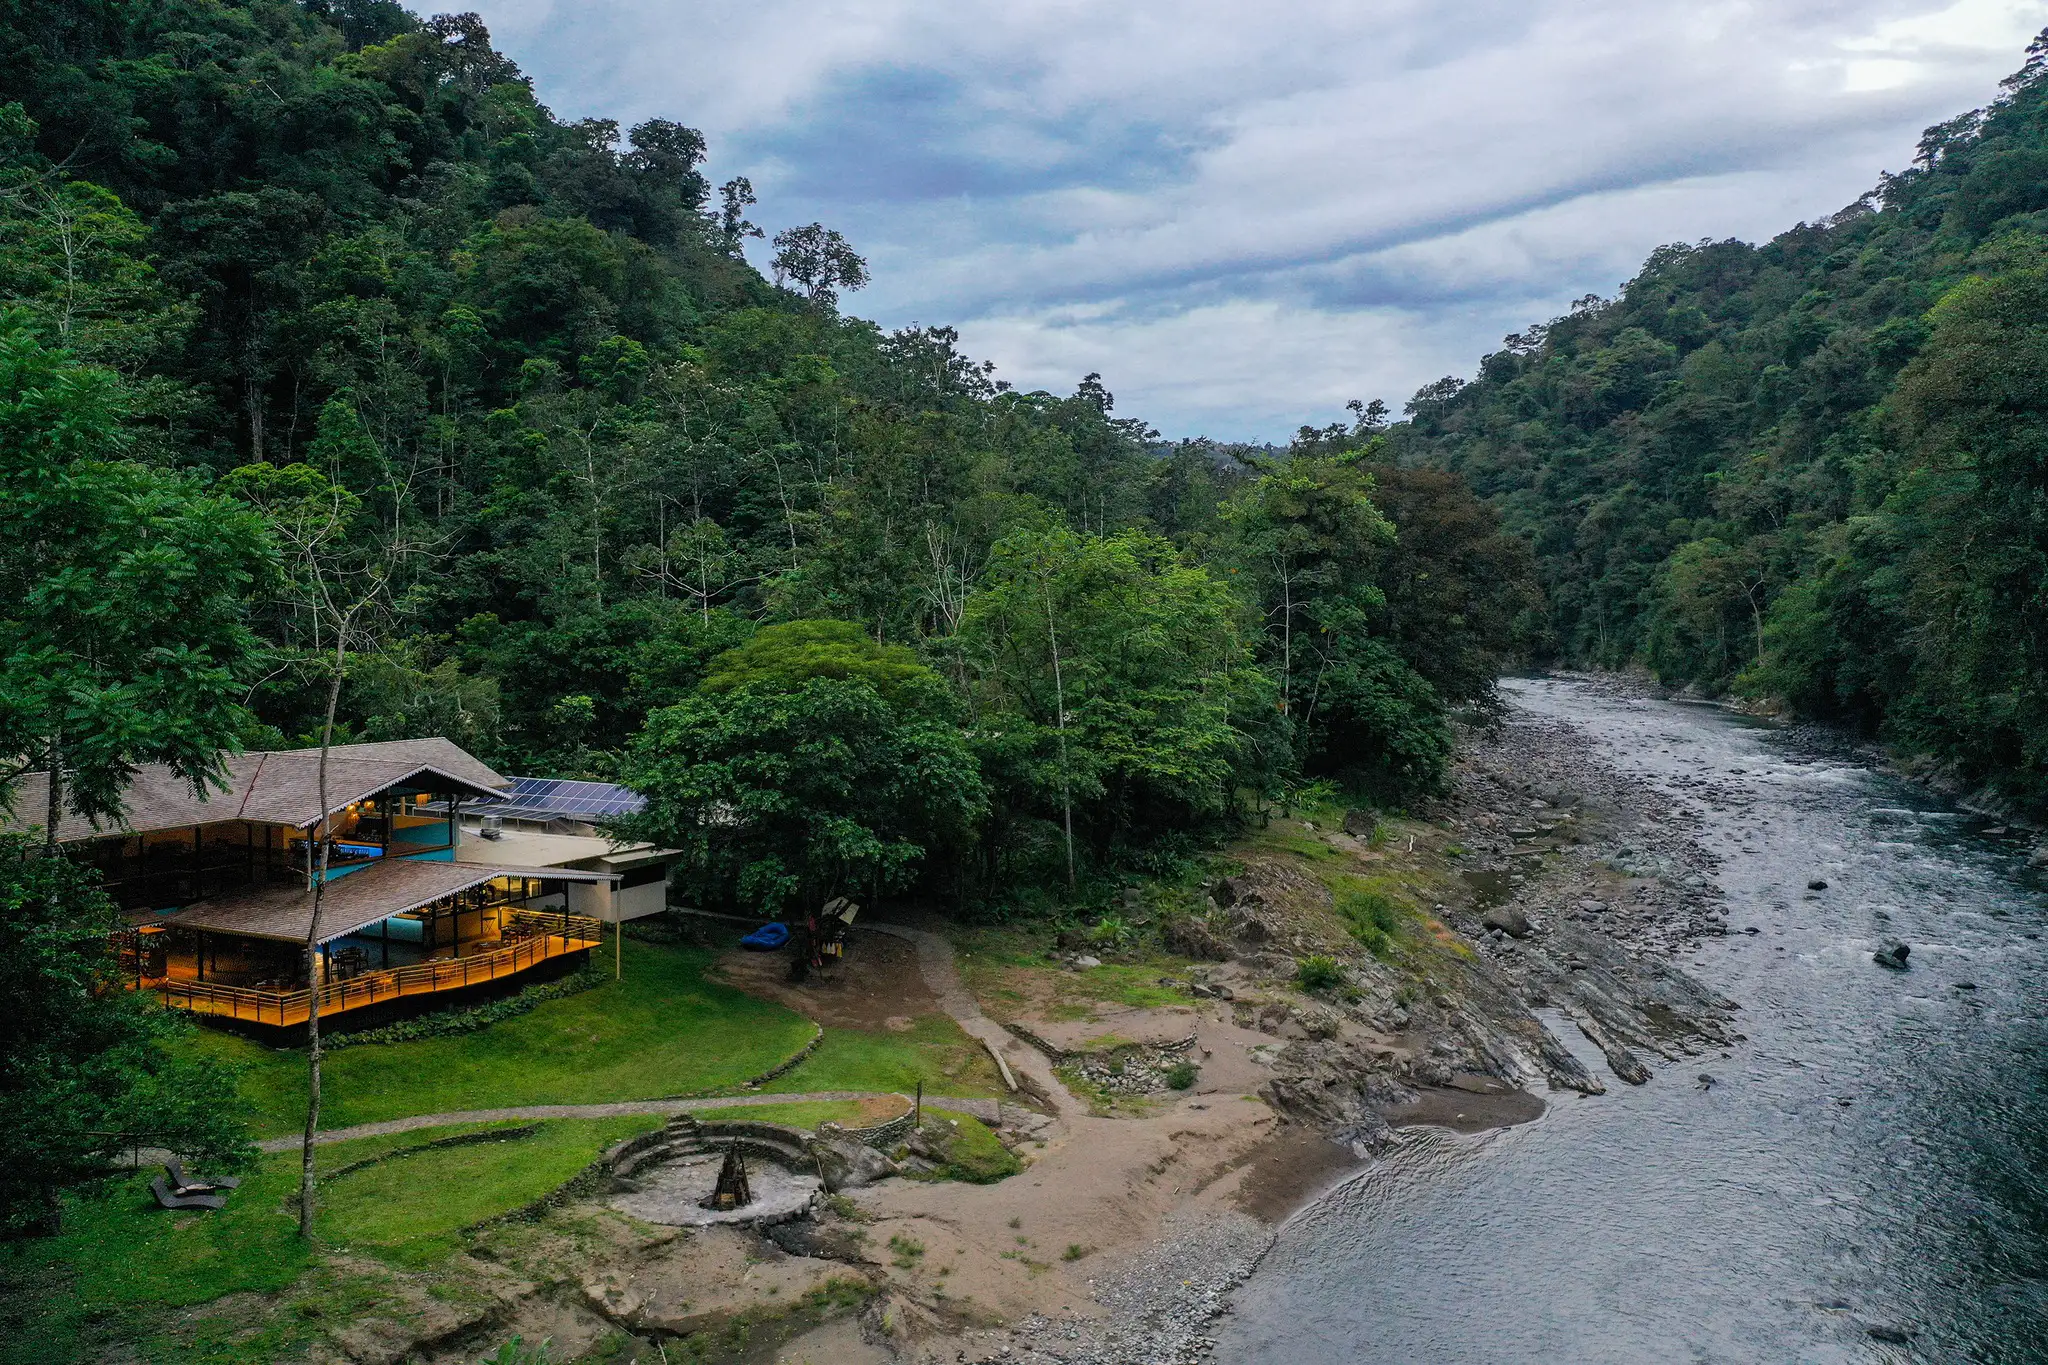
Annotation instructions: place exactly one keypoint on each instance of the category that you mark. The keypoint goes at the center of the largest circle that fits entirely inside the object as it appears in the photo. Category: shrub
(1318, 972)
(1181, 1074)
(1373, 917)
(1111, 931)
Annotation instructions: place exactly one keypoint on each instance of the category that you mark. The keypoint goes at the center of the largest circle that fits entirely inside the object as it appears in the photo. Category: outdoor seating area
(404, 928)
(349, 982)
(176, 1190)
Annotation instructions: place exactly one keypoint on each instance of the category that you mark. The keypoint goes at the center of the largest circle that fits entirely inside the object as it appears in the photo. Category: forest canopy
(610, 502)
(1812, 472)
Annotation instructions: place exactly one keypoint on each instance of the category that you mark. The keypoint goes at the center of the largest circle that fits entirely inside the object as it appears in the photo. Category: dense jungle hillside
(544, 464)
(1813, 471)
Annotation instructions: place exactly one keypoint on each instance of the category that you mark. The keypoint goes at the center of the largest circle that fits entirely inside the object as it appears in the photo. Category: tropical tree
(811, 762)
(345, 557)
(124, 636)
(84, 1075)
(1115, 687)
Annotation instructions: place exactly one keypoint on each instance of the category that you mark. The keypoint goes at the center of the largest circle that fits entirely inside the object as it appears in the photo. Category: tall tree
(124, 634)
(346, 558)
(812, 762)
(1114, 686)
(84, 1075)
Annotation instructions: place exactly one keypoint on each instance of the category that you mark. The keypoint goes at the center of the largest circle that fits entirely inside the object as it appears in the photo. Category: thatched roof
(274, 787)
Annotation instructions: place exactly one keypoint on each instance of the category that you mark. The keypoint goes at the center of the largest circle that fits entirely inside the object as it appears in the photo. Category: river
(1874, 1156)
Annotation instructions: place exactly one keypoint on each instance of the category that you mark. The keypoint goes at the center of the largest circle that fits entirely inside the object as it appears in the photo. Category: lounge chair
(169, 1200)
(183, 1184)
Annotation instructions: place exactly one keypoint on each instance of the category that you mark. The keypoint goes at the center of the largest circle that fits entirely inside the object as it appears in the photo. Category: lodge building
(425, 893)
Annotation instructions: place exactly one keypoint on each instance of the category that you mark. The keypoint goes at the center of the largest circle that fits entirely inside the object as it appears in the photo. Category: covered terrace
(399, 928)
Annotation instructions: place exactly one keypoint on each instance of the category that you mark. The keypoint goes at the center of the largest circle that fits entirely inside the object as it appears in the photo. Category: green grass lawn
(411, 1207)
(933, 1050)
(1007, 969)
(122, 1266)
(663, 1030)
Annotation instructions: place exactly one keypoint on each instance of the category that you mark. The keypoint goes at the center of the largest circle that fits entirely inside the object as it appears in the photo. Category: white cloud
(1243, 215)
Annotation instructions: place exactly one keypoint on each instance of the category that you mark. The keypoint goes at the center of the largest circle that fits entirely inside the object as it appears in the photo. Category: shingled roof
(272, 787)
(355, 901)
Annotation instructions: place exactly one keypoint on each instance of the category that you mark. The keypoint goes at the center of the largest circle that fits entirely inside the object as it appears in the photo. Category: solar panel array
(542, 797)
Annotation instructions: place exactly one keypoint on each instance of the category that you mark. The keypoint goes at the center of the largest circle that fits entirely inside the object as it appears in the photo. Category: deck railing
(546, 936)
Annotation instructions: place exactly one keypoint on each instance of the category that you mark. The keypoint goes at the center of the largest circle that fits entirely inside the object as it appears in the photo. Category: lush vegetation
(345, 389)
(84, 1073)
(662, 1030)
(130, 1273)
(511, 385)
(1811, 470)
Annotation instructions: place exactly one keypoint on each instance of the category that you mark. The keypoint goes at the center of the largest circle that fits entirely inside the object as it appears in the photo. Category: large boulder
(1508, 919)
(1359, 823)
(1893, 955)
(1193, 936)
(848, 1163)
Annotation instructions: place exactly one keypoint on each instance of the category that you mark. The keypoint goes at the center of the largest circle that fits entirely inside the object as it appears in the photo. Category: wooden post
(917, 1109)
(618, 944)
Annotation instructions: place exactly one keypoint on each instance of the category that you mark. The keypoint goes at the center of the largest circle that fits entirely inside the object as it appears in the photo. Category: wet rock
(1228, 892)
(1508, 919)
(1368, 1137)
(1892, 1336)
(1816, 885)
(1893, 955)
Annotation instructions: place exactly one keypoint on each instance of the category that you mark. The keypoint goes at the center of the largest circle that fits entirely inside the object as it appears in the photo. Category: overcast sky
(1244, 214)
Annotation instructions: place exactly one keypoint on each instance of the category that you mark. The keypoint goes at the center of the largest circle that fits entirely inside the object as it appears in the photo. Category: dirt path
(942, 975)
(984, 1110)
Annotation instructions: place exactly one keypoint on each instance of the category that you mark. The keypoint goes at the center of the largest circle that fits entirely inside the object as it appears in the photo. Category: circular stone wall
(671, 1193)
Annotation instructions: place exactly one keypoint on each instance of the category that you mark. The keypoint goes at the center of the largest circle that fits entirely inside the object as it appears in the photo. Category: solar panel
(551, 796)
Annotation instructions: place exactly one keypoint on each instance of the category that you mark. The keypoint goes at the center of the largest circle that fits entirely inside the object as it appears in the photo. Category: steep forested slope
(1815, 469)
(531, 430)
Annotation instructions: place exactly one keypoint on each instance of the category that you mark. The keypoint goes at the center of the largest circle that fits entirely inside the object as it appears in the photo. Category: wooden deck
(548, 936)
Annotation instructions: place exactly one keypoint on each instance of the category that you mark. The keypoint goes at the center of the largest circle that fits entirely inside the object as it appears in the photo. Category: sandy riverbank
(1561, 887)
